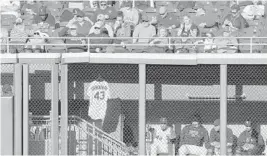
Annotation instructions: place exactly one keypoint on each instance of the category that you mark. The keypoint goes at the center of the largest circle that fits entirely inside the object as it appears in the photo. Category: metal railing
(91, 140)
(252, 43)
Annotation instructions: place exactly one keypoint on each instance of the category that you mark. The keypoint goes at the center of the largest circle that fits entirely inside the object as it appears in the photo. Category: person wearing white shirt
(254, 11)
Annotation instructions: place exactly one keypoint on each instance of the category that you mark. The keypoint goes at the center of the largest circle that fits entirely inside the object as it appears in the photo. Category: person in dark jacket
(250, 142)
(193, 137)
(99, 32)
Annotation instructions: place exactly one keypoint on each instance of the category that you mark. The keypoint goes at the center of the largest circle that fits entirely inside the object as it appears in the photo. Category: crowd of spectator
(125, 26)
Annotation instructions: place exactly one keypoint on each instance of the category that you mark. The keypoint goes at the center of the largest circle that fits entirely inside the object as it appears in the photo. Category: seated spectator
(109, 12)
(167, 20)
(235, 21)
(108, 29)
(19, 35)
(142, 34)
(206, 22)
(254, 11)
(98, 32)
(160, 45)
(29, 9)
(227, 44)
(130, 14)
(36, 43)
(44, 18)
(184, 45)
(207, 45)
(4, 39)
(83, 23)
(187, 28)
(71, 32)
(10, 7)
(250, 142)
(193, 137)
(215, 138)
(142, 5)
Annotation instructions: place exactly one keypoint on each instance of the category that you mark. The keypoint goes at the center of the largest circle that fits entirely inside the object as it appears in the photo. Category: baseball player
(250, 142)
(162, 137)
(215, 138)
(98, 92)
(193, 137)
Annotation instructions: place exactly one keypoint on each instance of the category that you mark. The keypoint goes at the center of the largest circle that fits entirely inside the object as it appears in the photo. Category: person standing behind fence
(193, 137)
(98, 91)
(250, 142)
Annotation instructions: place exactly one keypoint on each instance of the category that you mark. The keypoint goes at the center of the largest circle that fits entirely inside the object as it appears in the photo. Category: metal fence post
(25, 109)
(64, 110)
(142, 109)
(223, 109)
(18, 110)
(54, 109)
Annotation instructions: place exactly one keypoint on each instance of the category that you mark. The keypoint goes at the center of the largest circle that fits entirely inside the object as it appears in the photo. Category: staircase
(84, 138)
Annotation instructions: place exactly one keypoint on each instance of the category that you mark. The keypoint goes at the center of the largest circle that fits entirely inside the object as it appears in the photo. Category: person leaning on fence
(215, 138)
(250, 142)
(162, 137)
(193, 137)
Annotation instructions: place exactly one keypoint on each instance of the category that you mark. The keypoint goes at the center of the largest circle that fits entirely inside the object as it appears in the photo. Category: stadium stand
(242, 19)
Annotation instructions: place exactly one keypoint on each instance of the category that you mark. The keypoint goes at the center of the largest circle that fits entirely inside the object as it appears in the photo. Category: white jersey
(99, 95)
(163, 135)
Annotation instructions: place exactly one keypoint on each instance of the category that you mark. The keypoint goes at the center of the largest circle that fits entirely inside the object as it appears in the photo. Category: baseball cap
(145, 18)
(248, 123)
(216, 122)
(235, 7)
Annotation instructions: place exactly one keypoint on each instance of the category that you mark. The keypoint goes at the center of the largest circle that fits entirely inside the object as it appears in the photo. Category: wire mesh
(250, 105)
(176, 97)
(7, 79)
(40, 105)
(106, 97)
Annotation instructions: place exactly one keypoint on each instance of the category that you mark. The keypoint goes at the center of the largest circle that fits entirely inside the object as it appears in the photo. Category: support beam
(142, 109)
(25, 109)
(64, 110)
(18, 110)
(54, 108)
(223, 109)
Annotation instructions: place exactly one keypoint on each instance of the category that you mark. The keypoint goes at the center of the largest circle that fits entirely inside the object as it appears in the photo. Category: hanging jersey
(99, 95)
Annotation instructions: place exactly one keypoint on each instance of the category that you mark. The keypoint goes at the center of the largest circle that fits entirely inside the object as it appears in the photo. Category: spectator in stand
(206, 22)
(44, 18)
(71, 31)
(227, 44)
(10, 7)
(182, 5)
(131, 15)
(4, 38)
(167, 20)
(215, 138)
(252, 12)
(107, 28)
(109, 12)
(207, 45)
(83, 23)
(193, 137)
(142, 34)
(250, 142)
(188, 28)
(184, 45)
(99, 33)
(30, 9)
(36, 42)
(160, 45)
(235, 21)
(170, 5)
(19, 35)
(142, 5)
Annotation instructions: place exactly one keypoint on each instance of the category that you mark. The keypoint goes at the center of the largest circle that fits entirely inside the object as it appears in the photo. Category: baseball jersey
(163, 135)
(99, 94)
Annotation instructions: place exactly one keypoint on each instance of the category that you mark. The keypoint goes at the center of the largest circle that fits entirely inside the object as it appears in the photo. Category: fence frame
(142, 60)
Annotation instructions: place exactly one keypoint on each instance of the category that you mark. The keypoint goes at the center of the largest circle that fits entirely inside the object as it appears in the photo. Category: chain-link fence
(248, 109)
(105, 96)
(40, 95)
(178, 96)
(7, 79)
